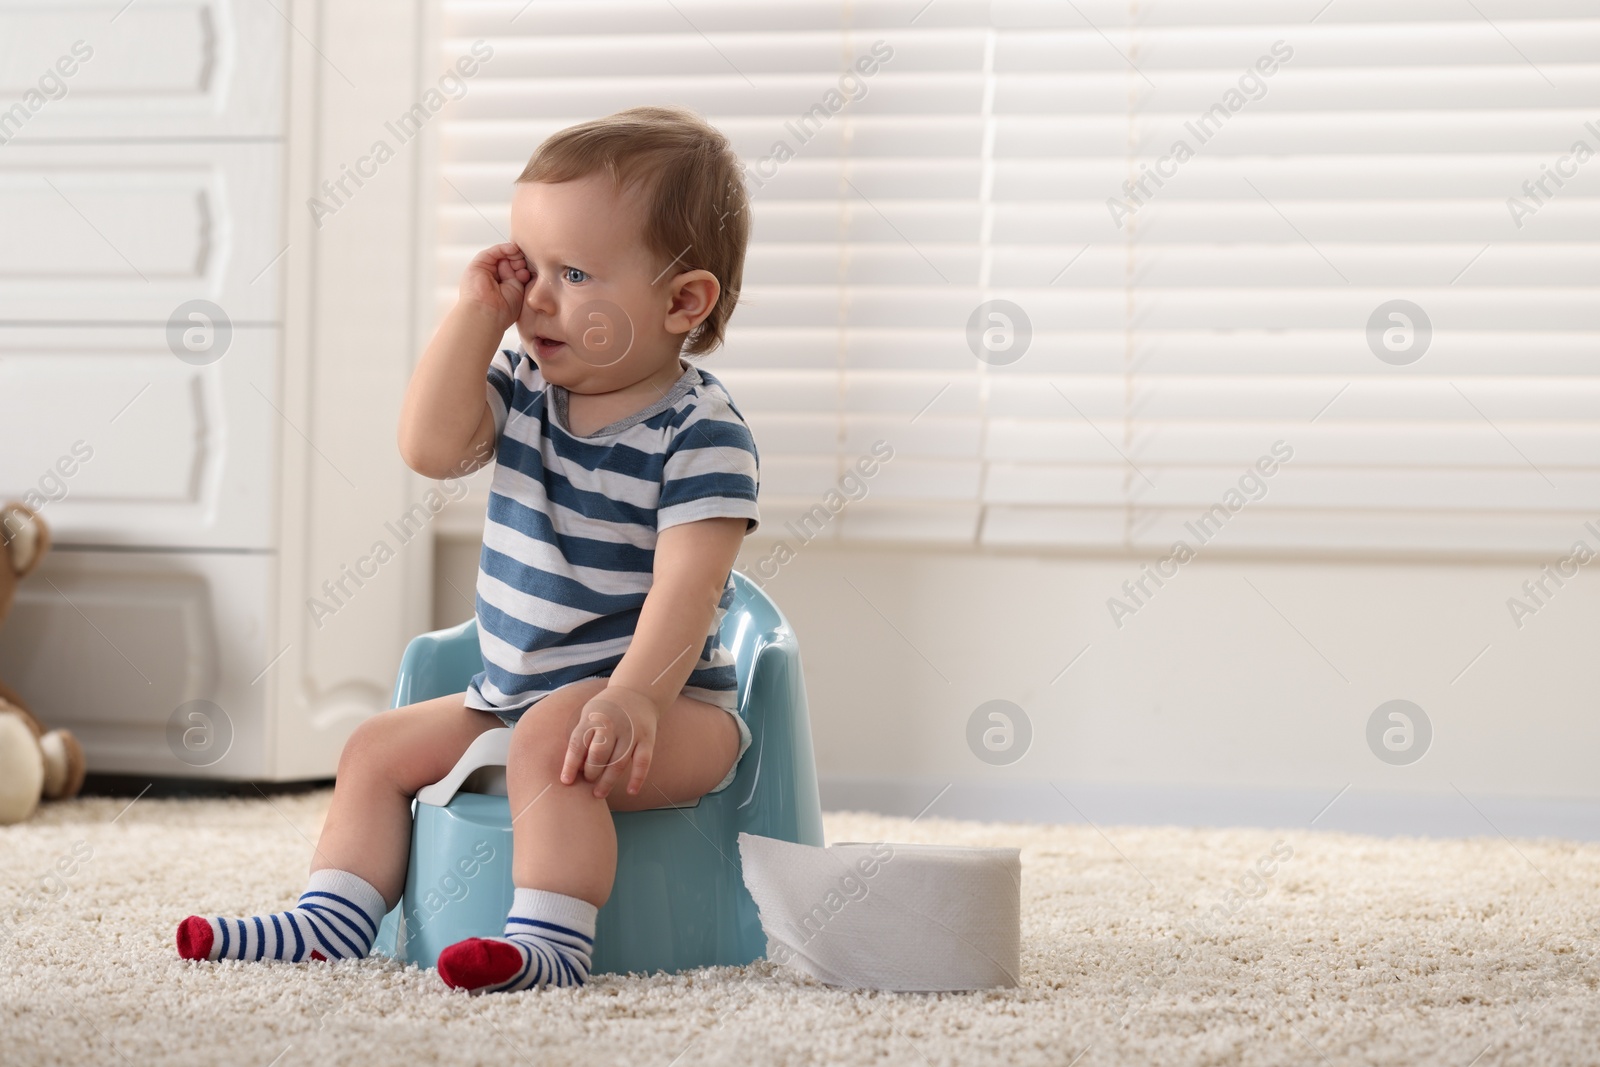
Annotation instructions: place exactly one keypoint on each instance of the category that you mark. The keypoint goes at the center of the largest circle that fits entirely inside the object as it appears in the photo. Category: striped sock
(548, 940)
(336, 918)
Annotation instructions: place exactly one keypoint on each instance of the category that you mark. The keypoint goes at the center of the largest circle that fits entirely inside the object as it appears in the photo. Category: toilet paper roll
(905, 918)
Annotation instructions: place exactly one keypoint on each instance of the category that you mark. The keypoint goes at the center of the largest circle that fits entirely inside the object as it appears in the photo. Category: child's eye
(574, 275)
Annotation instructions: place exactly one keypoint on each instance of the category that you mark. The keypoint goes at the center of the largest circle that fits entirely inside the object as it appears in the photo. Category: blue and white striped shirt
(569, 543)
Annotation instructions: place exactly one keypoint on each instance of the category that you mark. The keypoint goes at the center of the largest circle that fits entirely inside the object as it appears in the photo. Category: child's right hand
(493, 282)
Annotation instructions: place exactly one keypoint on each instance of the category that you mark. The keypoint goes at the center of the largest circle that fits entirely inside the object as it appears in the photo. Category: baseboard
(1353, 809)
(152, 787)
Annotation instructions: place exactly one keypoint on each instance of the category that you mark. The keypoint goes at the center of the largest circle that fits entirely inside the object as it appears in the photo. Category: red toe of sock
(194, 939)
(478, 962)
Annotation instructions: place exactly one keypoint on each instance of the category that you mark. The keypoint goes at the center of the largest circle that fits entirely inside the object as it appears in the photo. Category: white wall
(1207, 705)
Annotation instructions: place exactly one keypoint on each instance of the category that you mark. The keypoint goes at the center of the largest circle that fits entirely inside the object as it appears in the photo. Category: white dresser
(199, 504)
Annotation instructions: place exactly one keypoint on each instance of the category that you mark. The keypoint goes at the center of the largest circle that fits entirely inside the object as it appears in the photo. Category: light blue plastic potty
(679, 900)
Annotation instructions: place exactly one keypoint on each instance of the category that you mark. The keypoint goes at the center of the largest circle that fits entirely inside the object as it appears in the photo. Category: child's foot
(548, 940)
(336, 918)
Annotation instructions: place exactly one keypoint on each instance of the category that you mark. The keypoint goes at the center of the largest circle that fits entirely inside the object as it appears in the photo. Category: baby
(625, 481)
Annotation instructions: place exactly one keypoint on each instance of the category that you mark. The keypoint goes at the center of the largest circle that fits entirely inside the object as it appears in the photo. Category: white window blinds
(1352, 243)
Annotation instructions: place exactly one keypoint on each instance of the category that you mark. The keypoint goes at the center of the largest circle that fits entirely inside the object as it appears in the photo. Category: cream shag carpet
(1351, 950)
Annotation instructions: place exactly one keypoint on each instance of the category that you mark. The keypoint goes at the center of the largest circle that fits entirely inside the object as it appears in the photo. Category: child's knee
(382, 748)
(539, 740)
(365, 746)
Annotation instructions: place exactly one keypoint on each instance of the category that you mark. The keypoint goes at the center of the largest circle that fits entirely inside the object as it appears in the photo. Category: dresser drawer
(116, 441)
(114, 644)
(128, 232)
(145, 70)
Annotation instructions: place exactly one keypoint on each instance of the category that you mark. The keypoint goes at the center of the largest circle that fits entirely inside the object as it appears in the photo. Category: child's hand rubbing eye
(494, 281)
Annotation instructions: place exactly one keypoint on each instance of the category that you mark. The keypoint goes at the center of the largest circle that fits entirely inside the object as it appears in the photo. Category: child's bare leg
(389, 757)
(565, 846)
(358, 868)
(564, 840)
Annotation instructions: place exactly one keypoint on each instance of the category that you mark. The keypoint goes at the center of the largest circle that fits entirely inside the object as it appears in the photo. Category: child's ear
(693, 295)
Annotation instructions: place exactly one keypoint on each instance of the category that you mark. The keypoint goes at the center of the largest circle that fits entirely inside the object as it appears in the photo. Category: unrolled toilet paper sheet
(880, 915)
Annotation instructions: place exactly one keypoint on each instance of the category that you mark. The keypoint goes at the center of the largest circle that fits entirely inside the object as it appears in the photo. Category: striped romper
(569, 542)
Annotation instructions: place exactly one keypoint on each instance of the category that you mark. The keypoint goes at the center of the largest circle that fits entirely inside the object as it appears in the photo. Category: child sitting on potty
(625, 480)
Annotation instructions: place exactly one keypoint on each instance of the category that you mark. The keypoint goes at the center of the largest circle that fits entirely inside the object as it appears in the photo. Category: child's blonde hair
(697, 216)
